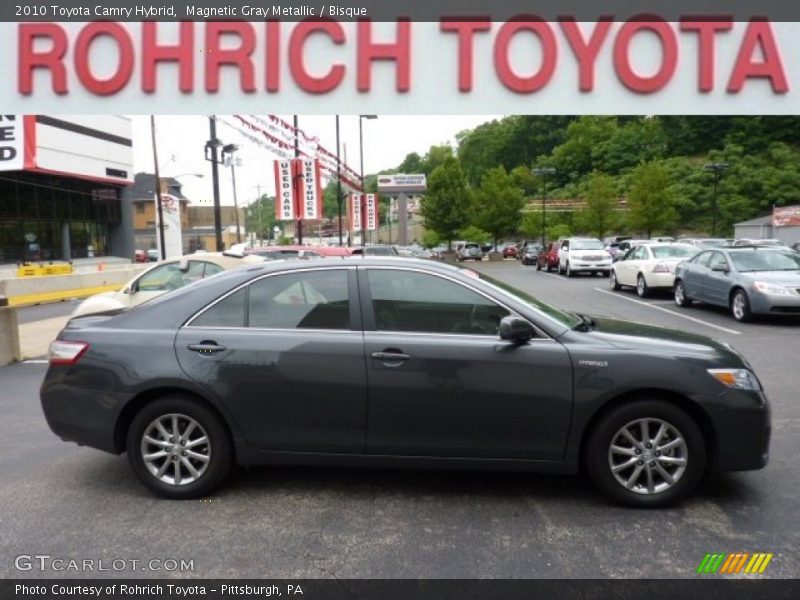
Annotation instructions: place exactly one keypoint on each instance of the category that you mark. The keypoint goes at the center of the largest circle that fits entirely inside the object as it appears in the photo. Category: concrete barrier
(18, 293)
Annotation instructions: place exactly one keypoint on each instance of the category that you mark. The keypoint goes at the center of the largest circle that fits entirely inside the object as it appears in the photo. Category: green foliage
(471, 233)
(260, 217)
(498, 203)
(430, 239)
(652, 209)
(601, 198)
(446, 206)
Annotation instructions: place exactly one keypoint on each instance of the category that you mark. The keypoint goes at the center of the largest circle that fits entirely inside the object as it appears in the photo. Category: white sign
(173, 240)
(310, 189)
(355, 212)
(399, 184)
(372, 212)
(12, 143)
(284, 199)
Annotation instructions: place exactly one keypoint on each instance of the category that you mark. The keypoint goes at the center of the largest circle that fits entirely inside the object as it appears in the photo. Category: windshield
(587, 245)
(566, 319)
(673, 251)
(765, 260)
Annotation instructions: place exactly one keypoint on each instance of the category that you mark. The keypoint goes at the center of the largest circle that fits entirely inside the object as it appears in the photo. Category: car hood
(790, 278)
(640, 337)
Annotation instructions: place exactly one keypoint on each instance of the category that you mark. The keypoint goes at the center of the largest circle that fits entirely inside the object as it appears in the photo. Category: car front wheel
(179, 448)
(740, 306)
(648, 453)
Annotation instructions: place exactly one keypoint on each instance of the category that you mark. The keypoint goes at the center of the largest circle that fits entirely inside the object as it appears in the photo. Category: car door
(718, 283)
(563, 254)
(285, 356)
(627, 267)
(694, 275)
(442, 383)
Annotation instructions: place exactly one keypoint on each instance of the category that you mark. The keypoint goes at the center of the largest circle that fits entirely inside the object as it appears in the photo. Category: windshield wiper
(586, 324)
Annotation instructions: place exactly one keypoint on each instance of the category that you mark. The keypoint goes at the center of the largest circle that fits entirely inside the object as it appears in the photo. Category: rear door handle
(390, 356)
(206, 348)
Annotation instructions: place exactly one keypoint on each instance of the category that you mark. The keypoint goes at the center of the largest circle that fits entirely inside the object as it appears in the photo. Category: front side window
(718, 261)
(703, 259)
(163, 278)
(418, 302)
(307, 300)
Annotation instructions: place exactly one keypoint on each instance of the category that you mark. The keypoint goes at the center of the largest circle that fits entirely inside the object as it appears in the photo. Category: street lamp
(339, 181)
(717, 169)
(364, 189)
(227, 156)
(212, 155)
(543, 172)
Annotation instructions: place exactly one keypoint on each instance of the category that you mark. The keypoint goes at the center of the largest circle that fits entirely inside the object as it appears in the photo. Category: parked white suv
(577, 255)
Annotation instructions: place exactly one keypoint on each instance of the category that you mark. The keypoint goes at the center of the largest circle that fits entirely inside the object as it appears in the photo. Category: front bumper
(774, 305)
(579, 265)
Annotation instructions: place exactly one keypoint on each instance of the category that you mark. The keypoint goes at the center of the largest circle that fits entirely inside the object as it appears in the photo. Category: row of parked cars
(749, 277)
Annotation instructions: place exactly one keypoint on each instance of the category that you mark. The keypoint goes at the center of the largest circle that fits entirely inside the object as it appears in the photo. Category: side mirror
(515, 329)
(719, 269)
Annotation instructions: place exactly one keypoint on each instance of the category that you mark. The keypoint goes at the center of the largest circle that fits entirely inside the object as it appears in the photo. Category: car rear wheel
(647, 453)
(614, 283)
(641, 287)
(740, 306)
(679, 291)
(179, 448)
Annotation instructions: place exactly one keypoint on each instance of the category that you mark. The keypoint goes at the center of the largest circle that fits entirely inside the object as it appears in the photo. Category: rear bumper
(660, 280)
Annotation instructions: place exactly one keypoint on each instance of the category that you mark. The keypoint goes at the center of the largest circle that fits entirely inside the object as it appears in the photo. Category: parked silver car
(469, 251)
(749, 280)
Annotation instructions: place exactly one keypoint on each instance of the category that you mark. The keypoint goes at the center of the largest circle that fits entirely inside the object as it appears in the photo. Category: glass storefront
(39, 213)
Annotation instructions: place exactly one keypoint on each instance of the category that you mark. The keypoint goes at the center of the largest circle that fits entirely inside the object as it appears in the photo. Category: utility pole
(339, 181)
(543, 172)
(159, 204)
(228, 158)
(259, 216)
(296, 182)
(212, 155)
(717, 169)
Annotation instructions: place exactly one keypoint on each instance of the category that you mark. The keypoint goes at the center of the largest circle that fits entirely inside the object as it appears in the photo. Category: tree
(498, 204)
(447, 203)
(260, 217)
(601, 197)
(650, 201)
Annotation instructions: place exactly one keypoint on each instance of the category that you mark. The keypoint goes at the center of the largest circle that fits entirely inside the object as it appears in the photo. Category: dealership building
(61, 179)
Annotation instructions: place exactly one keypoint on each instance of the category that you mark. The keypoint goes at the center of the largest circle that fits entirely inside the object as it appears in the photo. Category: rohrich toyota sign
(638, 66)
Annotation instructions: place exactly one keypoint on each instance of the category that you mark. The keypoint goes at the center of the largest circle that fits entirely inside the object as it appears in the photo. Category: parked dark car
(548, 257)
(510, 250)
(530, 254)
(399, 362)
(748, 280)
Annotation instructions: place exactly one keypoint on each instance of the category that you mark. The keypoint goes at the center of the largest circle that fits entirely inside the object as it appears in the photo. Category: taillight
(66, 353)
(661, 268)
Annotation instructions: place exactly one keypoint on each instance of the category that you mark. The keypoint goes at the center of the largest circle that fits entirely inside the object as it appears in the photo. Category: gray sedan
(748, 280)
(398, 362)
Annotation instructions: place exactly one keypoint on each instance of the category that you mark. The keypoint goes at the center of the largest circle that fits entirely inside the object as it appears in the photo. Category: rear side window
(228, 312)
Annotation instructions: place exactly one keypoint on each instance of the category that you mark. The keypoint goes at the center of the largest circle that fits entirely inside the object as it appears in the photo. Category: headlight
(772, 289)
(740, 379)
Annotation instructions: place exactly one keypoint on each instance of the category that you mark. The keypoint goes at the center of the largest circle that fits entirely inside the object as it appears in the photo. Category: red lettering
(586, 52)
(706, 30)
(119, 79)
(52, 59)
(502, 61)
(759, 35)
(315, 84)
(273, 68)
(154, 53)
(399, 51)
(239, 56)
(645, 84)
(466, 31)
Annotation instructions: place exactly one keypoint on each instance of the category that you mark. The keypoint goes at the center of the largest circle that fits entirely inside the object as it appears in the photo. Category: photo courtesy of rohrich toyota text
(398, 301)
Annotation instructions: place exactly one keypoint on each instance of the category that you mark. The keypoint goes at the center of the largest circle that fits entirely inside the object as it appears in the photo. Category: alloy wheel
(176, 449)
(648, 456)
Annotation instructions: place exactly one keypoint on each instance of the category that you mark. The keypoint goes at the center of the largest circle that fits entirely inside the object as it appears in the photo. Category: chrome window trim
(457, 282)
(249, 282)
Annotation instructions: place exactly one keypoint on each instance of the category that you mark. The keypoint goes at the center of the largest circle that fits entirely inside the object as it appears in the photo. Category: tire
(538, 266)
(642, 492)
(740, 306)
(641, 287)
(549, 268)
(614, 283)
(218, 448)
(568, 270)
(679, 294)
(560, 270)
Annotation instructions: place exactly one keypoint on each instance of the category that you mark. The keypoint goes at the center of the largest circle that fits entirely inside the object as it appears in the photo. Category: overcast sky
(387, 141)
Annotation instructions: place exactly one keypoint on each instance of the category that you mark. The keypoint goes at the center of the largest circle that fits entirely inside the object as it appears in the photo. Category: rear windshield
(765, 260)
(673, 251)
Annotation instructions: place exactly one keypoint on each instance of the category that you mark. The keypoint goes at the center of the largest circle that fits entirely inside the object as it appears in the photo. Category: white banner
(355, 212)
(284, 201)
(173, 239)
(372, 212)
(310, 189)
(12, 143)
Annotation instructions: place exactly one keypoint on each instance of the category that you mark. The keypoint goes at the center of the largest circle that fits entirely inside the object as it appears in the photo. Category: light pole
(364, 187)
(717, 169)
(339, 181)
(296, 181)
(159, 204)
(227, 156)
(212, 155)
(543, 172)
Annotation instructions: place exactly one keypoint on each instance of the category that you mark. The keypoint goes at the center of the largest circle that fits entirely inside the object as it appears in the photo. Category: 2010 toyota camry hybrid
(399, 362)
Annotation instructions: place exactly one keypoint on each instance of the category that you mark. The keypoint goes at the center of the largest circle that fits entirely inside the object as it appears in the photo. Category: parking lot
(78, 503)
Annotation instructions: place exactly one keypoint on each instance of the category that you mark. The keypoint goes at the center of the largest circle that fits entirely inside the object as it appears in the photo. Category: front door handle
(391, 356)
(206, 348)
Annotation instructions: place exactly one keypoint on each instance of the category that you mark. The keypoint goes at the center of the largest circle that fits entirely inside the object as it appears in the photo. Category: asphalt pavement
(70, 502)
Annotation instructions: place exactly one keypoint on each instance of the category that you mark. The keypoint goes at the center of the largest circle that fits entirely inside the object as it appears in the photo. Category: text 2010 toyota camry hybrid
(398, 362)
